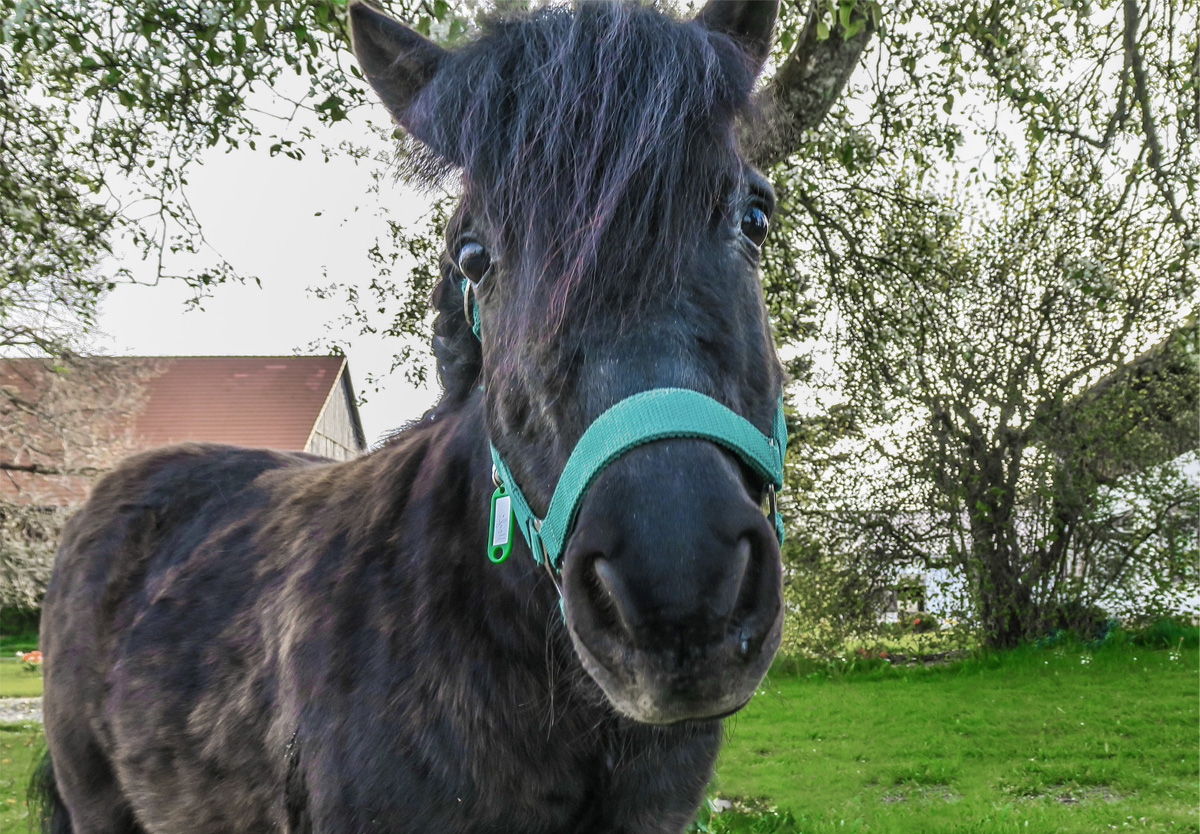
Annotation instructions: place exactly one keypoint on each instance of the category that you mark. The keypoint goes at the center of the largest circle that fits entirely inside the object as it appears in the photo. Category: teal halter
(656, 414)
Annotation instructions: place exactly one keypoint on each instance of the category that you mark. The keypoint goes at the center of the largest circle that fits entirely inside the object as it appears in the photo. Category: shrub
(1167, 633)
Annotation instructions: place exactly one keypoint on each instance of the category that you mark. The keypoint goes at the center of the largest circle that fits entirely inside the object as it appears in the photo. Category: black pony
(253, 641)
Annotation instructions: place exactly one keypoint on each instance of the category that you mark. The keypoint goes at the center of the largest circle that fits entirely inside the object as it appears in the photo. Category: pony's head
(609, 233)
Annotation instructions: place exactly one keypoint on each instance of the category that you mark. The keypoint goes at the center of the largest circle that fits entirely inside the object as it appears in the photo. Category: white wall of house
(947, 596)
(1182, 599)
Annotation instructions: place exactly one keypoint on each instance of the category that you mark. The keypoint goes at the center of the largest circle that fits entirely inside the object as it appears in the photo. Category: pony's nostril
(616, 596)
(741, 561)
(750, 554)
(726, 592)
(601, 610)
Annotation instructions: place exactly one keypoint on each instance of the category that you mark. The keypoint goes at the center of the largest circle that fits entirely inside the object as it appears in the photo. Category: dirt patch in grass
(925, 793)
(1075, 794)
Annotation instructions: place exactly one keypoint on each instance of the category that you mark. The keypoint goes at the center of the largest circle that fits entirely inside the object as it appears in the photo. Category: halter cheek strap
(656, 414)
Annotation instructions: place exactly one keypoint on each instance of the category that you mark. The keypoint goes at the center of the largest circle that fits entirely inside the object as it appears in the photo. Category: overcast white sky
(261, 215)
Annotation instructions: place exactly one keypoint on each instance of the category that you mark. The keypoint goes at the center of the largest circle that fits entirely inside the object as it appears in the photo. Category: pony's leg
(87, 787)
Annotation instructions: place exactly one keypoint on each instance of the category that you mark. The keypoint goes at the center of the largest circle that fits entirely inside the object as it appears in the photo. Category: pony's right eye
(473, 261)
(754, 225)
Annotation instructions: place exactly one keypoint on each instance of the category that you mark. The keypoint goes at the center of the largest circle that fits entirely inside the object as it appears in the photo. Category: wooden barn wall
(334, 435)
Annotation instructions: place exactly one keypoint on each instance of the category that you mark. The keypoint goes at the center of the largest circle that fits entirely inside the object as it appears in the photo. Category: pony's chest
(434, 778)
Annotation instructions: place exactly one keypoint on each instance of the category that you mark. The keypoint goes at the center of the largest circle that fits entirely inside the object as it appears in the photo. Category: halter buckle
(468, 289)
(545, 560)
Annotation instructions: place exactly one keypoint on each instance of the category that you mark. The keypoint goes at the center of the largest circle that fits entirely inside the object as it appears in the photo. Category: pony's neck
(513, 602)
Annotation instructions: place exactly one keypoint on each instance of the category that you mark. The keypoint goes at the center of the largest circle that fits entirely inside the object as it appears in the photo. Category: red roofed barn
(299, 403)
(64, 422)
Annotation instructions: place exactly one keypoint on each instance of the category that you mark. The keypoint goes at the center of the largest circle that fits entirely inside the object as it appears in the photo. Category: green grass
(15, 682)
(21, 746)
(1057, 740)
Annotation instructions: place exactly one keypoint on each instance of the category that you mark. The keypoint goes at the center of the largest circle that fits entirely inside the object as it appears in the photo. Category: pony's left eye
(754, 225)
(473, 261)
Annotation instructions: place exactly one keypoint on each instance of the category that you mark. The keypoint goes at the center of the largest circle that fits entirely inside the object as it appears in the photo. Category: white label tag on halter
(502, 524)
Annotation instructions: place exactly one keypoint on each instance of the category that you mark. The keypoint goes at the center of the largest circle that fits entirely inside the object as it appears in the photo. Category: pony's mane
(599, 139)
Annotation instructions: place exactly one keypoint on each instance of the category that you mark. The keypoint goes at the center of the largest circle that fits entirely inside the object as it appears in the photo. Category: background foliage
(996, 231)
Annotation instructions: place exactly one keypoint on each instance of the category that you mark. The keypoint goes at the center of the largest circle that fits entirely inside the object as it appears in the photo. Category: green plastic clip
(501, 525)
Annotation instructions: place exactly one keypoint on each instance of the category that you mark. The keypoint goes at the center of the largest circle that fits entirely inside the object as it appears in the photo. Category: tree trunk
(806, 85)
(1007, 611)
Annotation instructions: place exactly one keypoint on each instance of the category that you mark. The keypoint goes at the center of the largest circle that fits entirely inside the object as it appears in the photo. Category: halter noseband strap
(656, 414)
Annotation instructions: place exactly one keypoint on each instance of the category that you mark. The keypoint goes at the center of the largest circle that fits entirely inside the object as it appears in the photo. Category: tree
(63, 423)
(997, 226)
(106, 109)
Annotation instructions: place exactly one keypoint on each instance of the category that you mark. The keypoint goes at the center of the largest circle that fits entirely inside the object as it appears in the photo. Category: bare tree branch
(39, 469)
(1141, 91)
(807, 84)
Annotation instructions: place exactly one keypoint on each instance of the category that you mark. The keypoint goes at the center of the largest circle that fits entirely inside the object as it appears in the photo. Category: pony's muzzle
(674, 603)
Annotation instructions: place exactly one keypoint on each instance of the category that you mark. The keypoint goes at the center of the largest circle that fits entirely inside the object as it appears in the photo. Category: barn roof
(266, 401)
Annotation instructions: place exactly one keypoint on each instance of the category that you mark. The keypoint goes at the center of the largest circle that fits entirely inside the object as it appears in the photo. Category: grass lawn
(20, 747)
(15, 682)
(1056, 740)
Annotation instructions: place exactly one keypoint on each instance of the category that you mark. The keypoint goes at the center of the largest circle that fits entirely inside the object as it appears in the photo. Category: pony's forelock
(599, 140)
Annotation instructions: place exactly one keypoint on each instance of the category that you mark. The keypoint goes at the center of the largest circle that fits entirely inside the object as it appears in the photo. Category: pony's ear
(749, 22)
(396, 60)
